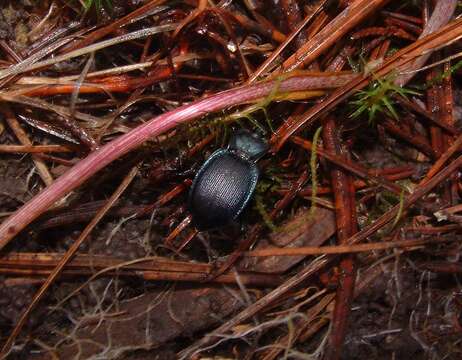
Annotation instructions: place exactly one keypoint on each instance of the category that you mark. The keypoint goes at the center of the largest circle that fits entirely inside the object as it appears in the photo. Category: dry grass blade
(150, 8)
(148, 268)
(263, 67)
(31, 60)
(92, 121)
(348, 18)
(21, 67)
(35, 149)
(346, 249)
(24, 139)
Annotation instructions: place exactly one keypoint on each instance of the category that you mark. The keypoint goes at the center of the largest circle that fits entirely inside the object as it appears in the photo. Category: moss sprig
(97, 4)
(313, 168)
(378, 97)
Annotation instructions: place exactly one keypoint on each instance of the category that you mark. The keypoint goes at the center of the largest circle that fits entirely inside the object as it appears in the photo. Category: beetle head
(248, 145)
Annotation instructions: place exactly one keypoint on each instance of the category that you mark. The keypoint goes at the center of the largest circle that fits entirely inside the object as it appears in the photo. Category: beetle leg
(188, 239)
(181, 226)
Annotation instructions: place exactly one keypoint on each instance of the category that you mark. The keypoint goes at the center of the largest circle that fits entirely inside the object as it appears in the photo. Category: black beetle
(224, 184)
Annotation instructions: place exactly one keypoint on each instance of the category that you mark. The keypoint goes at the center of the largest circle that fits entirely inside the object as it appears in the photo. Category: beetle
(224, 184)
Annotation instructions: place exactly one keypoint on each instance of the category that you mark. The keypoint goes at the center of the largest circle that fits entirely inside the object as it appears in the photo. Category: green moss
(378, 97)
(313, 167)
(443, 75)
(97, 4)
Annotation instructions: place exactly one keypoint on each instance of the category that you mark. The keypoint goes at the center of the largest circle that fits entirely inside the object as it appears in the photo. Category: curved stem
(98, 159)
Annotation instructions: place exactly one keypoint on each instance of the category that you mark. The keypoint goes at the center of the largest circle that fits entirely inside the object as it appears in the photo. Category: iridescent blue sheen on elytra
(226, 181)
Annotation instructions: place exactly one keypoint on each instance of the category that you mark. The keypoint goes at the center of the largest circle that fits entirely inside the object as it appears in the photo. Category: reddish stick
(341, 25)
(345, 215)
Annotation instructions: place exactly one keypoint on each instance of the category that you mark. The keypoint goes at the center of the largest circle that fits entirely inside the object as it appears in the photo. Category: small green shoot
(400, 209)
(254, 122)
(314, 188)
(444, 74)
(313, 167)
(355, 66)
(378, 98)
(259, 204)
(260, 105)
(266, 101)
(97, 4)
(249, 112)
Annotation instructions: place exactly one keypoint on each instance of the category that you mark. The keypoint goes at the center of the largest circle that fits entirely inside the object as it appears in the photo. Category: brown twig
(345, 214)
(154, 268)
(412, 244)
(35, 149)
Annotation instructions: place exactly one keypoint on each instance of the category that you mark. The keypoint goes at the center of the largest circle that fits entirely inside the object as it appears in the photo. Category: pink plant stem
(98, 159)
